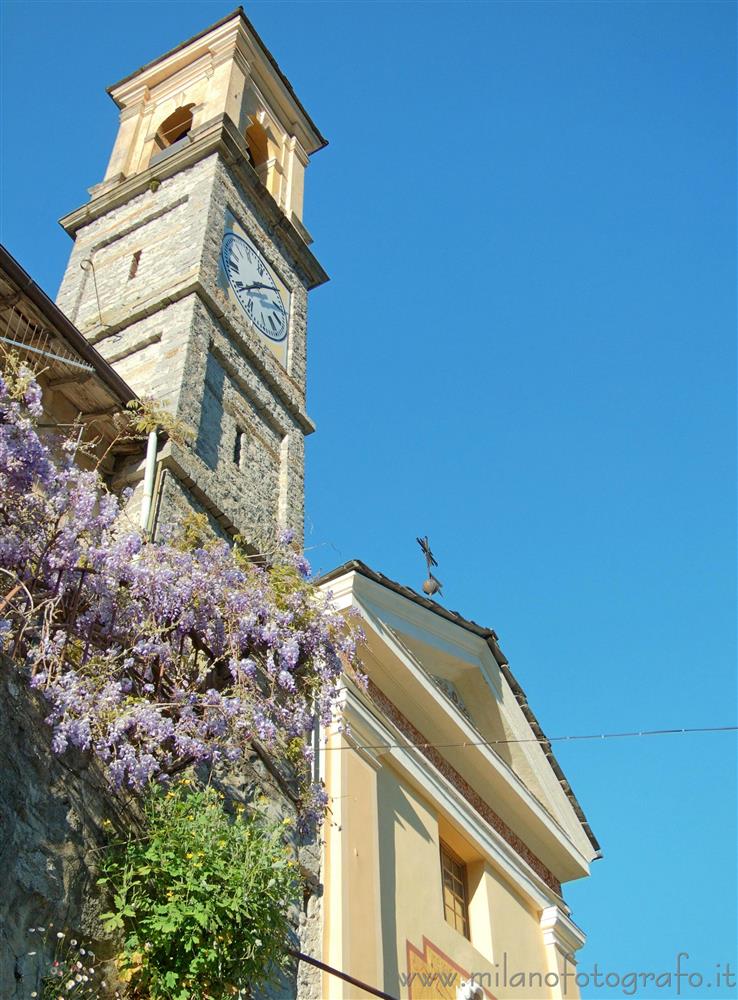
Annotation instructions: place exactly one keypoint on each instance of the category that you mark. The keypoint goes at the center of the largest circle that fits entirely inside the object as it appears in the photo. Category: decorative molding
(134, 348)
(371, 757)
(136, 108)
(140, 222)
(220, 136)
(449, 689)
(357, 583)
(234, 38)
(462, 786)
(378, 732)
(466, 732)
(267, 366)
(242, 61)
(420, 623)
(561, 932)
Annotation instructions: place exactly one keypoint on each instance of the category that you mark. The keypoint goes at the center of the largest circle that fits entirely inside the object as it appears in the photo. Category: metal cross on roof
(431, 585)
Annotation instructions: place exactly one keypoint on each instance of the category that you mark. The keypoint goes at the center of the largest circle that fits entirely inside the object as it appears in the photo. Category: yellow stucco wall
(412, 904)
(352, 907)
(383, 897)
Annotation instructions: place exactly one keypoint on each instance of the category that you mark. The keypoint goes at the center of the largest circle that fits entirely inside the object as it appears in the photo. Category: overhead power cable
(408, 745)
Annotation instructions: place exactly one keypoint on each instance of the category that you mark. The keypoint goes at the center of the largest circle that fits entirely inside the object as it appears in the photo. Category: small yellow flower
(190, 854)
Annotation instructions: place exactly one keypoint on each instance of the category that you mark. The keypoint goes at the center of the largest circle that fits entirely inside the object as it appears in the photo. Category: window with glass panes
(455, 898)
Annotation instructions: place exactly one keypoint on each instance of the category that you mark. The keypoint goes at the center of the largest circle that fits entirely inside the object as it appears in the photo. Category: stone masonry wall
(167, 226)
(171, 331)
(52, 810)
(51, 813)
(261, 488)
(227, 196)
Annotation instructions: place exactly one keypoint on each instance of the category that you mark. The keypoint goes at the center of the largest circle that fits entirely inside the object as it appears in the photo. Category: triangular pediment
(442, 674)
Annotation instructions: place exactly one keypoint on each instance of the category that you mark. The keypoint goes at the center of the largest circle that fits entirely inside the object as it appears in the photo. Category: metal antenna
(431, 585)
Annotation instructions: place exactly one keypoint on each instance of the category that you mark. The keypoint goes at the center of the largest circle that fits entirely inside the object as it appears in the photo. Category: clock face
(254, 286)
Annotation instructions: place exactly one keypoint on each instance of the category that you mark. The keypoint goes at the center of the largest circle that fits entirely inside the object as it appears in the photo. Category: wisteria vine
(154, 656)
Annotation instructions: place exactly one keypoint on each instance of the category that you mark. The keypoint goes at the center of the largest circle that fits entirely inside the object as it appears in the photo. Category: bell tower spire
(196, 271)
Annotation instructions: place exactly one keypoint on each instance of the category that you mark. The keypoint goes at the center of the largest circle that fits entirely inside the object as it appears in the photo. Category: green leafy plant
(149, 415)
(202, 900)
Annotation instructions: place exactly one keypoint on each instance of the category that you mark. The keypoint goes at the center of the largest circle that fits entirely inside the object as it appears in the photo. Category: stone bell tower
(190, 273)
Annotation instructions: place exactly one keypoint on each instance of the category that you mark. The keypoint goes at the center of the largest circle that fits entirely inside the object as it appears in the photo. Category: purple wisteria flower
(151, 656)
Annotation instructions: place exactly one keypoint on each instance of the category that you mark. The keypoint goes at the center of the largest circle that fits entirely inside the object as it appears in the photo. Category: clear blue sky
(527, 351)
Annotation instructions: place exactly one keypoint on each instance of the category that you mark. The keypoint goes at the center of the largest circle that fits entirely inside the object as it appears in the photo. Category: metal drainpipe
(149, 470)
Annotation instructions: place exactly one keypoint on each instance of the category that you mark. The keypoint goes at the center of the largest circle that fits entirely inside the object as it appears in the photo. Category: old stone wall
(167, 324)
(258, 485)
(165, 226)
(52, 810)
(51, 815)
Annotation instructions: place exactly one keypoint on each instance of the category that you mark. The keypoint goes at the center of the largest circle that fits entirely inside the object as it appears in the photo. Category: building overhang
(376, 740)
(17, 283)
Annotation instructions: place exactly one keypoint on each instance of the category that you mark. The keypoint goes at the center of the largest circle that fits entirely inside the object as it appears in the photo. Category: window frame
(456, 915)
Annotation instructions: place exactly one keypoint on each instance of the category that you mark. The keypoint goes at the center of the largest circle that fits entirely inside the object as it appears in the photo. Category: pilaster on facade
(351, 868)
(560, 932)
(562, 939)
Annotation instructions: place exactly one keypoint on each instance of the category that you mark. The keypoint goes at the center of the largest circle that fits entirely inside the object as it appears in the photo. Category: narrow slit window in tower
(238, 447)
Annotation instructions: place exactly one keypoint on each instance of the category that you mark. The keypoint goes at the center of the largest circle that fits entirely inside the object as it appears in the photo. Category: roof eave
(64, 326)
(490, 636)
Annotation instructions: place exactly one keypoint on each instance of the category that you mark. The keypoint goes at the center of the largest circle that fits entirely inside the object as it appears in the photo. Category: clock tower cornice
(217, 136)
(138, 95)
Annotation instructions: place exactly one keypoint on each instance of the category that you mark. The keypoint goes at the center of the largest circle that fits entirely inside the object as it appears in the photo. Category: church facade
(452, 828)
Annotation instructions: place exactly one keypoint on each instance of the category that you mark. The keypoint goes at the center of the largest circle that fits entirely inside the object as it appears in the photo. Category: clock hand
(258, 284)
